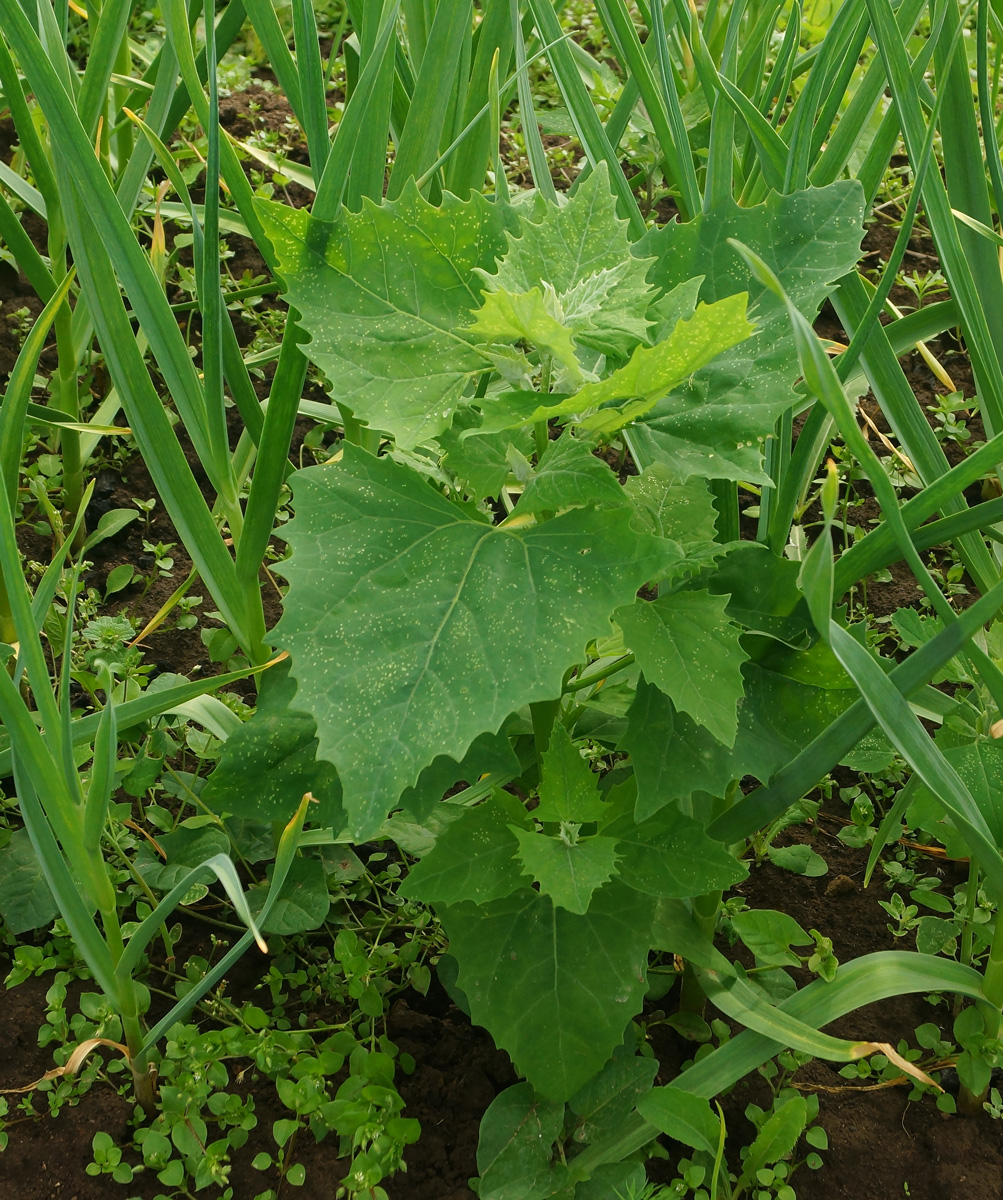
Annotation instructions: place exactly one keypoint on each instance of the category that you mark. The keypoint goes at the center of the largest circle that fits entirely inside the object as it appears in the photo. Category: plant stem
(992, 1015)
(359, 434)
(540, 431)
(691, 994)
(585, 681)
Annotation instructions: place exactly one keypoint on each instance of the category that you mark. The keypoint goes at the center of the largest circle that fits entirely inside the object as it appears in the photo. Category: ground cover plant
(506, 700)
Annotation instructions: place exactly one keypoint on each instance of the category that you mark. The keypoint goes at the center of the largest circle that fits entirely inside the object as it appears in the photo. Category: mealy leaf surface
(413, 627)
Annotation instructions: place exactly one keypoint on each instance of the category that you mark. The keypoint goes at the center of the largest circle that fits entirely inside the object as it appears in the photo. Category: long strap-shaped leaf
(765, 804)
(311, 82)
(736, 998)
(172, 476)
(974, 300)
(133, 712)
(234, 368)
(111, 28)
(418, 146)
(78, 163)
(865, 980)
(334, 180)
(899, 724)
(288, 844)
(18, 393)
(176, 21)
(587, 125)
(878, 548)
(658, 102)
(909, 423)
(75, 910)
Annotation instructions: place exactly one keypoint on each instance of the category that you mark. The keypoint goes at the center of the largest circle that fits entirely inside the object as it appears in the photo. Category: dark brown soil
(458, 1074)
(880, 1145)
(879, 1141)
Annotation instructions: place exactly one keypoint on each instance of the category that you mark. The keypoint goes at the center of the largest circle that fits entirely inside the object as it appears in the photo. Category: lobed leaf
(567, 871)
(556, 989)
(687, 646)
(583, 252)
(402, 613)
(714, 425)
(384, 294)
(474, 858)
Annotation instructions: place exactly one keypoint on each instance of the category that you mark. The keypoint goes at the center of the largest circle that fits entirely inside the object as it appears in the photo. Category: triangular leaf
(714, 424)
(303, 903)
(684, 1117)
(687, 646)
(570, 476)
(516, 1142)
(582, 250)
(653, 371)
(532, 316)
(569, 791)
(25, 900)
(384, 294)
(554, 989)
(567, 871)
(684, 512)
(473, 859)
(607, 1100)
(270, 763)
(671, 856)
(482, 461)
(185, 849)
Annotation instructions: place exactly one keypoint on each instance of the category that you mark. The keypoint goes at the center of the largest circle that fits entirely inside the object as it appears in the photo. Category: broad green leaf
(384, 294)
(581, 249)
(654, 370)
(567, 871)
(533, 316)
(517, 1136)
(641, 382)
(779, 715)
(673, 757)
(671, 856)
(303, 903)
(418, 837)
(682, 511)
(554, 989)
(980, 765)
(483, 461)
(473, 859)
(674, 306)
(763, 594)
(684, 1117)
(185, 848)
(270, 763)
(769, 935)
(934, 935)
(519, 409)
(570, 476)
(569, 790)
(604, 1102)
(714, 424)
(25, 900)
(687, 646)
(799, 860)
(403, 614)
(613, 1179)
